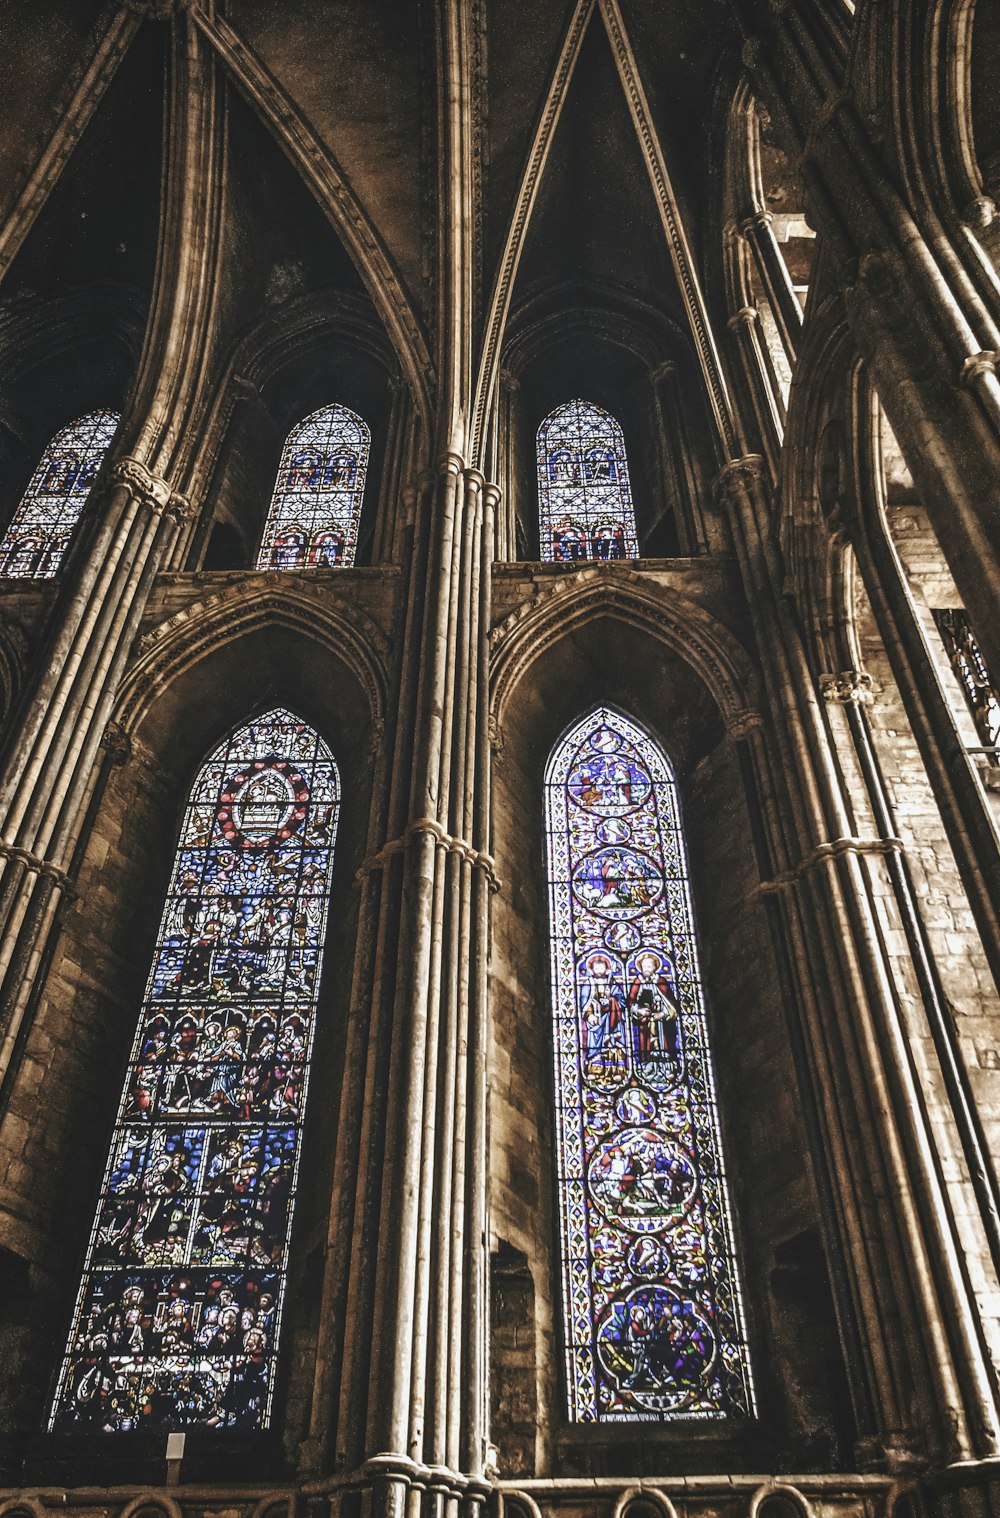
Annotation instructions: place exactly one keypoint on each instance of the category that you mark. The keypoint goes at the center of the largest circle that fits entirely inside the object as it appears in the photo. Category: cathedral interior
(500, 772)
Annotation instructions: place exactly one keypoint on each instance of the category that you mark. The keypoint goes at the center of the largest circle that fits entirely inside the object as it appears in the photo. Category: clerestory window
(316, 504)
(35, 542)
(584, 498)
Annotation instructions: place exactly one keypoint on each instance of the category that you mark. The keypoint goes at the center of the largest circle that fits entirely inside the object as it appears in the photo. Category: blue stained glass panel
(316, 505)
(584, 496)
(178, 1314)
(36, 539)
(652, 1314)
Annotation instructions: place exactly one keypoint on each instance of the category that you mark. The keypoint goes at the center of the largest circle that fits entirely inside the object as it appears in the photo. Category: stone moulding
(559, 606)
(335, 195)
(196, 631)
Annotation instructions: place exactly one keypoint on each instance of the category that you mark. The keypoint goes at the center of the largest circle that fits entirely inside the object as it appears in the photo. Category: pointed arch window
(653, 1319)
(35, 542)
(584, 497)
(178, 1314)
(316, 505)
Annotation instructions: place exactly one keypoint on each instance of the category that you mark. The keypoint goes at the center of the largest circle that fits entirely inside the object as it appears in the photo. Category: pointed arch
(652, 1316)
(178, 1314)
(335, 196)
(584, 496)
(316, 505)
(37, 537)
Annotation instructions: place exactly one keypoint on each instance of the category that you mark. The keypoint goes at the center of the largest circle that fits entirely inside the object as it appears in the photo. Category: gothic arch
(313, 350)
(336, 196)
(564, 605)
(194, 635)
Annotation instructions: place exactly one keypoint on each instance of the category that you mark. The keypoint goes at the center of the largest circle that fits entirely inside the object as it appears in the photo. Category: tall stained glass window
(313, 520)
(177, 1319)
(39, 532)
(653, 1320)
(584, 499)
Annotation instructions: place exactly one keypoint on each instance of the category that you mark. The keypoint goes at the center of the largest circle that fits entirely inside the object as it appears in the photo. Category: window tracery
(584, 496)
(36, 539)
(316, 505)
(653, 1320)
(178, 1314)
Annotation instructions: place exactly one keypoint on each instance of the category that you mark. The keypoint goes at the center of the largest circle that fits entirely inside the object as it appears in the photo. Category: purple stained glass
(177, 1318)
(313, 520)
(584, 499)
(652, 1312)
(35, 543)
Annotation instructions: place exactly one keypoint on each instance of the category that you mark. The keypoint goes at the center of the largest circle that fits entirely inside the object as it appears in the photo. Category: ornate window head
(179, 1310)
(316, 505)
(584, 499)
(35, 543)
(652, 1316)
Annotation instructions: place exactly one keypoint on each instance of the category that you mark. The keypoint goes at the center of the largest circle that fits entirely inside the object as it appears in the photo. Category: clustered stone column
(49, 765)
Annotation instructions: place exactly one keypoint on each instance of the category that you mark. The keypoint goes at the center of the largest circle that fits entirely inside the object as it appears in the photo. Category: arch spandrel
(670, 618)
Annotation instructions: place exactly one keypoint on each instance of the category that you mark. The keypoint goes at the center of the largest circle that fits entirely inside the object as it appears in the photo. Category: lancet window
(584, 497)
(653, 1321)
(972, 673)
(316, 505)
(178, 1314)
(35, 543)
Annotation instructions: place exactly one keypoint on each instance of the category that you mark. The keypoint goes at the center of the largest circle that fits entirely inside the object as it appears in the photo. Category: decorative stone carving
(850, 685)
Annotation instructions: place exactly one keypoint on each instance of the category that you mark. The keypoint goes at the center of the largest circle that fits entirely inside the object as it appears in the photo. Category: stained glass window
(177, 1319)
(584, 499)
(972, 672)
(40, 529)
(313, 520)
(653, 1320)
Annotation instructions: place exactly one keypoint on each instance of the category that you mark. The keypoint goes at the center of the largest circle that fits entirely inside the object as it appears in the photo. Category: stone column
(49, 765)
(899, 1243)
(758, 229)
(930, 338)
(410, 1403)
(676, 461)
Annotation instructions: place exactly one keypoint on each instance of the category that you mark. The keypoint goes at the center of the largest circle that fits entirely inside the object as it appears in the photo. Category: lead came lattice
(652, 1312)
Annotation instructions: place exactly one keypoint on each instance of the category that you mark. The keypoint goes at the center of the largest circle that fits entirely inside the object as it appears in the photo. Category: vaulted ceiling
(361, 82)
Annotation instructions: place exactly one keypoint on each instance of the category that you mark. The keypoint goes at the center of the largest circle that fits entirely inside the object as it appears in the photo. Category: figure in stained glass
(178, 1313)
(313, 519)
(652, 1312)
(35, 543)
(584, 497)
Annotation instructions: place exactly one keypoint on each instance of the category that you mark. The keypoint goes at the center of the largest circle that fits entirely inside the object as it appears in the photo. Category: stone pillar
(411, 1400)
(49, 765)
(898, 1239)
(676, 461)
(758, 229)
(930, 338)
(761, 383)
(953, 777)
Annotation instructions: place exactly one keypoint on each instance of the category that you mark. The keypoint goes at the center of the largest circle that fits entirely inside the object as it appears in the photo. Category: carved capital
(742, 724)
(984, 362)
(116, 743)
(736, 478)
(979, 213)
(746, 316)
(758, 221)
(151, 489)
(850, 685)
(451, 462)
(244, 388)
